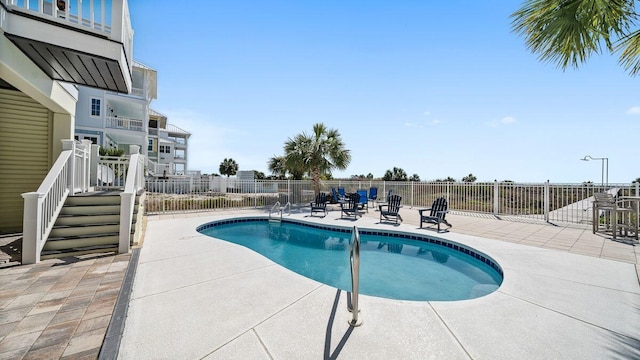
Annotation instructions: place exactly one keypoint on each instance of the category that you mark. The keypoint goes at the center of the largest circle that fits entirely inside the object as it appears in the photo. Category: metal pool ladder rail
(277, 207)
(354, 259)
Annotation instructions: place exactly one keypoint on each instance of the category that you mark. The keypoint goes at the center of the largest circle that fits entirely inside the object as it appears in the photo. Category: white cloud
(435, 122)
(634, 110)
(507, 120)
(407, 124)
(427, 113)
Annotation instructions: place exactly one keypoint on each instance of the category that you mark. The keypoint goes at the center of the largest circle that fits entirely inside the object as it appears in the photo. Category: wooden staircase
(90, 223)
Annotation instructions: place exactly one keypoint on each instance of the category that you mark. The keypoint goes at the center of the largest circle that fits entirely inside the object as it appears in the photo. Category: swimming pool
(393, 265)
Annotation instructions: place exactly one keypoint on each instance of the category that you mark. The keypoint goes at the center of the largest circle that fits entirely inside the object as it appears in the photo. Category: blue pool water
(392, 265)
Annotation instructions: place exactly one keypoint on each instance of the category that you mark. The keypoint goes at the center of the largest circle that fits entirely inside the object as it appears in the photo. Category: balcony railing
(119, 122)
(137, 91)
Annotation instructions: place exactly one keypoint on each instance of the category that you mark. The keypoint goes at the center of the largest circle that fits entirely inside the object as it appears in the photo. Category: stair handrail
(68, 175)
(276, 205)
(134, 182)
(354, 260)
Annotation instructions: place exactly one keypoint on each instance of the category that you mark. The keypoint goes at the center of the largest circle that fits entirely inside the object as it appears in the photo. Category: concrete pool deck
(196, 297)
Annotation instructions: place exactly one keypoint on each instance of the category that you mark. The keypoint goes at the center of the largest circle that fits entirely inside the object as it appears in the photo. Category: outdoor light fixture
(605, 174)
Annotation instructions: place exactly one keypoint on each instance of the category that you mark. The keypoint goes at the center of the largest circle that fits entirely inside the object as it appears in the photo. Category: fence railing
(68, 175)
(569, 203)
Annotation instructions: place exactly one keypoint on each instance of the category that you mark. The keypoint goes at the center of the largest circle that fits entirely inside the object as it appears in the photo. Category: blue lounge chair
(392, 210)
(363, 201)
(373, 194)
(436, 215)
(341, 194)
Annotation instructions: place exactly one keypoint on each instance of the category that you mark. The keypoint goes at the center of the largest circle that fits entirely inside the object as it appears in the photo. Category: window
(95, 107)
(150, 145)
(93, 139)
(166, 149)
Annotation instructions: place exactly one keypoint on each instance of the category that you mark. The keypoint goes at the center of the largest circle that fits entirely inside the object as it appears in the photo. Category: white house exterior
(167, 147)
(115, 120)
(44, 51)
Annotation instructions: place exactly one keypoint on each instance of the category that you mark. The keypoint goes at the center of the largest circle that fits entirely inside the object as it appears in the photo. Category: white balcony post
(31, 227)
(134, 149)
(70, 145)
(126, 202)
(95, 156)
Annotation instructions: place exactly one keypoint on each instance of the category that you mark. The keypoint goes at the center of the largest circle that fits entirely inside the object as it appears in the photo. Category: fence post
(546, 201)
(412, 193)
(496, 201)
(255, 193)
(288, 189)
(448, 199)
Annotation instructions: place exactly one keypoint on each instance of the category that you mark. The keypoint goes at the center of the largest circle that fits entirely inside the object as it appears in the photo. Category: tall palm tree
(567, 32)
(317, 153)
(228, 167)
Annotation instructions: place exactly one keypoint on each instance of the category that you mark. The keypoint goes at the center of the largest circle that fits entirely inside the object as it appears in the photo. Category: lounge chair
(320, 204)
(350, 206)
(364, 201)
(373, 194)
(335, 196)
(391, 210)
(341, 193)
(436, 213)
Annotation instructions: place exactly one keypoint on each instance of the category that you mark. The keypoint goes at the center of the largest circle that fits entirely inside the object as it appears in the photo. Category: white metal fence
(568, 203)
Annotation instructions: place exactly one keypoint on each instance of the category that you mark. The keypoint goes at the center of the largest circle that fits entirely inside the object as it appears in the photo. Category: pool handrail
(276, 205)
(354, 260)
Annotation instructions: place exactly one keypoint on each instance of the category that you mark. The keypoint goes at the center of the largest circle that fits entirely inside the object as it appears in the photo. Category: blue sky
(437, 88)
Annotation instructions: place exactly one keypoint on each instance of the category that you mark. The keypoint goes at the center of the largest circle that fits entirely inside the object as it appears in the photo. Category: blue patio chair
(341, 194)
(363, 202)
(373, 194)
(336, 197)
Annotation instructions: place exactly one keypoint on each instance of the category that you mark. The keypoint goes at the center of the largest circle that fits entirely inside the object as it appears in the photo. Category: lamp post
(605, 174)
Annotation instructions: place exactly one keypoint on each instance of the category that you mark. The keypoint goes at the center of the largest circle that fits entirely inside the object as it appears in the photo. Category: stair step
(90, 209)
(88, 229)
(78, 252)
(86, 219)
(75, 242)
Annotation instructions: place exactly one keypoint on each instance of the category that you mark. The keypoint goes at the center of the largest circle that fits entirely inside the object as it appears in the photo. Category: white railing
(69, 175)
(94, 14)
(119, 122)
(561, 203)
(134, 183)
(156, 169)
(137, 91)
(111, 172)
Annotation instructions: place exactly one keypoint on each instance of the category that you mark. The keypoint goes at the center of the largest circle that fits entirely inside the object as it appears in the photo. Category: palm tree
(397, 174)
(469, 178)
(317, 153)
(414, 177)
(567, 32)
(228, 167)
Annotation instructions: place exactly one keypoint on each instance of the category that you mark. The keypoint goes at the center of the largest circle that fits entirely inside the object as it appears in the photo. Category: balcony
(86, 43)
(119, 122)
